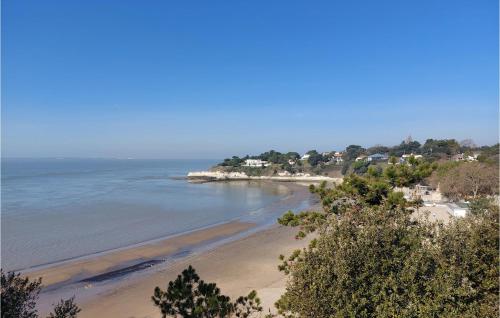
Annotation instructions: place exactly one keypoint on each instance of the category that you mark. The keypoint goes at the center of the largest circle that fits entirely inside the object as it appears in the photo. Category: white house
(338, 157)
(305, 157)
(377, 157)
(407, 156)
(256, 163)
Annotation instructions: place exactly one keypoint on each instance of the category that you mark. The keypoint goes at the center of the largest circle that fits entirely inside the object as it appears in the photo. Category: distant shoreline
(210, 176)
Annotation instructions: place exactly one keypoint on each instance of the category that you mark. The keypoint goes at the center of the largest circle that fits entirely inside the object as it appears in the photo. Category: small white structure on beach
(256, 163)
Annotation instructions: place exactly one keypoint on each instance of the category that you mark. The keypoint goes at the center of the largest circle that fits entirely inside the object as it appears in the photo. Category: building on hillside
(305, 157)
(377, 157)
(405, 157)
(291, 162)
(360, 158)
(337, 157)
(256, 163)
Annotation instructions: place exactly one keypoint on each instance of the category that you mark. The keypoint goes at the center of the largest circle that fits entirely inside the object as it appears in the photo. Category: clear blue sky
(208, 79)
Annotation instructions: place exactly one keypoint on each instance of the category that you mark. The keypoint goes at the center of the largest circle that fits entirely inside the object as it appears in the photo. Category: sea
(54, 210)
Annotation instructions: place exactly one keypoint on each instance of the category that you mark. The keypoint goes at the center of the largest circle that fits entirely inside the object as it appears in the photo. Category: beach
(238, 255)
(95, 268)
(246, 264)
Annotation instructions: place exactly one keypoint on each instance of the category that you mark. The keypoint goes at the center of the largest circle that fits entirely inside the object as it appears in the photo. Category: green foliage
(407, 175)
(436, 149)
(360, 167)
(315, 158)
(65, 309)
(234, 161)
(376, 262)
(352, 152)
(405, 148)
(307, 220)
(372, 259)
(377, 149)
(375, 171)
(289, 219)
(489, 154)
(190, 297)
(19, 296)
(480, 205)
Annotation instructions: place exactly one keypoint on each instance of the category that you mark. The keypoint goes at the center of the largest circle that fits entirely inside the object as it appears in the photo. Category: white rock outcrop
(221, 176)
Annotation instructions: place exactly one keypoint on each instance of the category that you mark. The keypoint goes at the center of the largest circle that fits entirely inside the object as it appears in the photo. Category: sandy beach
(81, 269)
(238, 256)
(237, 267)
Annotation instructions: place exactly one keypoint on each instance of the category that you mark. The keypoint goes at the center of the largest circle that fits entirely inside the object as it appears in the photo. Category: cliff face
(217, 175)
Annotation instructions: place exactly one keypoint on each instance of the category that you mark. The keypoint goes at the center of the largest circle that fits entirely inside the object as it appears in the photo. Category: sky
(211, 79)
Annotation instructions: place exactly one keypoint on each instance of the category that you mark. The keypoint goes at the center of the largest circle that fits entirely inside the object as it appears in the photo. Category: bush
(377, 262)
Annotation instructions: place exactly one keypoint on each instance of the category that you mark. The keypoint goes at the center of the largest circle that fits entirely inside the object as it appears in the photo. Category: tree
(466, 180)
(19, 296)
(440, 148)
(235, 161)
(352, 152)
(377, 149)
(315, 158)
(405, 147)
(65, 309)
(360, 167)
(190, 297)
(375, 260)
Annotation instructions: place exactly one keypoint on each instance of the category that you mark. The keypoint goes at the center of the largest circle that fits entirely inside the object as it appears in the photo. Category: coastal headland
(206, 176)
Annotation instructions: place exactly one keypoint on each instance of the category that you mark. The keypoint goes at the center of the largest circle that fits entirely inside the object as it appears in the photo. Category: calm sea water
(54, 210)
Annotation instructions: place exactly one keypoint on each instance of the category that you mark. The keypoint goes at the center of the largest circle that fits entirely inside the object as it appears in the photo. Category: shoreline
(290, 198)
(86, 267)
(211, 176)
(233, 266)
(88, 277)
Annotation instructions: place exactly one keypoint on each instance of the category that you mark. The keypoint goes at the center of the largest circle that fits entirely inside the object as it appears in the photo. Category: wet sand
(91, 267)
(120, 283)
(237, 267)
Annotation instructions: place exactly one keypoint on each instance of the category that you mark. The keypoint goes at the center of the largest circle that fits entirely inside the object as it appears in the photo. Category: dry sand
(237, 267)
